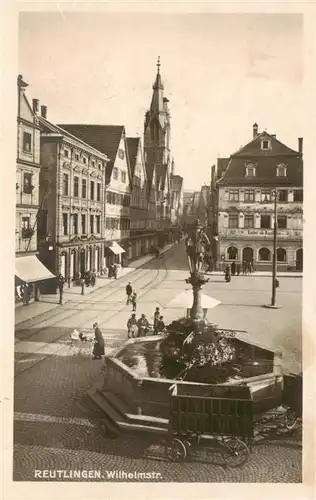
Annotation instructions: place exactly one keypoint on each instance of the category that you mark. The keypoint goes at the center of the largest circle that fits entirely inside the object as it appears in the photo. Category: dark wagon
(209, 417)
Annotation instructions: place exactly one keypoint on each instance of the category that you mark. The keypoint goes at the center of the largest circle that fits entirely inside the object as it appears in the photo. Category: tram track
(159, 278)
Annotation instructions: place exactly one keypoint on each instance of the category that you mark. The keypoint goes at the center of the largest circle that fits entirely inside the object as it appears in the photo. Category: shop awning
(116, 248)
(29, 269)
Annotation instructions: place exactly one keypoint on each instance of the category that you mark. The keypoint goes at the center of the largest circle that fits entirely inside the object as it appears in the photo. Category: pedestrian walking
(227, 274)
(143, 326)
(98, 349)
(115, 271)
(238, 269)
(160, 327)
(129, 291)
(93, 278)
(25, 294)
(60, 284)
(134, 300)
(132, 327)
(156, 317)
(233, 268)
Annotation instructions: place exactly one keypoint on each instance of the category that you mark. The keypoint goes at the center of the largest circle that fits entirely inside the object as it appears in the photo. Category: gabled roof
(133, 144)
(105, 138)
(266, 162)
(48, 127)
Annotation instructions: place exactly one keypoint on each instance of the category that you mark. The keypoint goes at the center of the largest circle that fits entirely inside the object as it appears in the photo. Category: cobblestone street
(55, 427)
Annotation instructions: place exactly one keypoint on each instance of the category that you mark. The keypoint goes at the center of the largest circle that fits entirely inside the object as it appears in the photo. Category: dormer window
(250, 170)
(265, 144)
(281, 170)
(121, 154)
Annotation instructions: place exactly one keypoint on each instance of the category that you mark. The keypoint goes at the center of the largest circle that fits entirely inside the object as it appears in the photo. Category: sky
(221, 73)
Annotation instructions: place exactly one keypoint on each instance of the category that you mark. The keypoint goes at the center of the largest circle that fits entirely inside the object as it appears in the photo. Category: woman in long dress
(98, 349)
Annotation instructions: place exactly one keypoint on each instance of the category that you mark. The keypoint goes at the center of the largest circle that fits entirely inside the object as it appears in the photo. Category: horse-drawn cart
(221, 417)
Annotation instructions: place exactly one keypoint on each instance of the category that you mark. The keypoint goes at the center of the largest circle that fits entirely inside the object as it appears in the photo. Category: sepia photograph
(159, 250)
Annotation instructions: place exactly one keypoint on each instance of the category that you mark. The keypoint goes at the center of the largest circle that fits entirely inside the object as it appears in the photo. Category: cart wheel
(235, 452)
(291, 420)
(176, 450)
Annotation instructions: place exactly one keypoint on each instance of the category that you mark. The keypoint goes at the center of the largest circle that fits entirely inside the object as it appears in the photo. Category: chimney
(35, 103)
(255, 130)
(300, 145)
(273, 135)
(44, 111)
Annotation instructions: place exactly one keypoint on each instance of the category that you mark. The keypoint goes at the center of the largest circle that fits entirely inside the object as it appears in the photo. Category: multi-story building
(143, 235)
(246, 193)
(176, 203)
(72, 187)
(157, 155)
(111, 140)
(28, 268)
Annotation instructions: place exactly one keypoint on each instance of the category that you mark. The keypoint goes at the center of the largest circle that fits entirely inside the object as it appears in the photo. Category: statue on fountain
(196, 243)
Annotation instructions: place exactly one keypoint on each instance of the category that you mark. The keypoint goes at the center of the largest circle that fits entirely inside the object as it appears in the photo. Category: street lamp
(275, 282)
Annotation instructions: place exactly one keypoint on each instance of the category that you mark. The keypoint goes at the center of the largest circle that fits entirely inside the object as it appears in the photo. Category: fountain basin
(131, 375)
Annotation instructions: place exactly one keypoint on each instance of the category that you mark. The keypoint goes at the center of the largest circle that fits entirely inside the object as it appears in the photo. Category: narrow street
(54, 427)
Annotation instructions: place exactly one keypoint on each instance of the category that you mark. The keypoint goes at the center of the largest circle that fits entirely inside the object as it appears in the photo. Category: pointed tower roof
(158, 88)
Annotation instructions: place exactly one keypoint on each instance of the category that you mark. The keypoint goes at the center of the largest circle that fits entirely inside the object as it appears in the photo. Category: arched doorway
(63, 265)
(73, 263)
(232, 253)
(97, 259)
(299, 259)
(82, 261)
(247, 254)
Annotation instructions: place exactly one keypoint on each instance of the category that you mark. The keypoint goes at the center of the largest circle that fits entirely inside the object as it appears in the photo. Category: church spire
(158, 88)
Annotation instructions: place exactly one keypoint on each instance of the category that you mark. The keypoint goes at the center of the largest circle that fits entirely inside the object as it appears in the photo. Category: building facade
(246, 191)
(157, 155)
(72, 187)
(143, 235)
(176, 203)
(29, 270)
(111, 141)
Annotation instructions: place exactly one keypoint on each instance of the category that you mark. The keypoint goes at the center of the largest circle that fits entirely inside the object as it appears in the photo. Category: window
(265, 222)
(98, 191)
(75, 223)
(84, 159)
(265, 195)
(298, 195)
(76, 187)
(66, 153)
(281, 255)
(264, 254)
(92, 190)
(27, 183)
(282, 221)
(137, 181)
(91, 224)
(282, 194)
(265, 144)
(248, 221)
(115, 173)
(98, 224)
(26, 230)
(65, 184)
(281, 170)
(251, 171)
(232, 253)
(84, 188)
(27, 142)
(100, 166)
(123, 176)
(234, 195)
(92, 163)
(77, 157)
(233, 221)
(249, 195)
(121, 154)
(83, 224)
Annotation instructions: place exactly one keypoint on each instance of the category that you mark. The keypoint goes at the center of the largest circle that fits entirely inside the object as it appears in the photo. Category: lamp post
(275, 283)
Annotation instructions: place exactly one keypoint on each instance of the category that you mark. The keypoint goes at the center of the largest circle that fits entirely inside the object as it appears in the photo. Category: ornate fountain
(135, 388)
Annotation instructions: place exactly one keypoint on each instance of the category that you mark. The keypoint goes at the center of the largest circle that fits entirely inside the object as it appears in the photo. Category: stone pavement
(54, 427)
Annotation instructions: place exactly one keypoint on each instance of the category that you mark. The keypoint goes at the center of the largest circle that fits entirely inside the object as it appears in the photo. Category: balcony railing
(267, 234)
